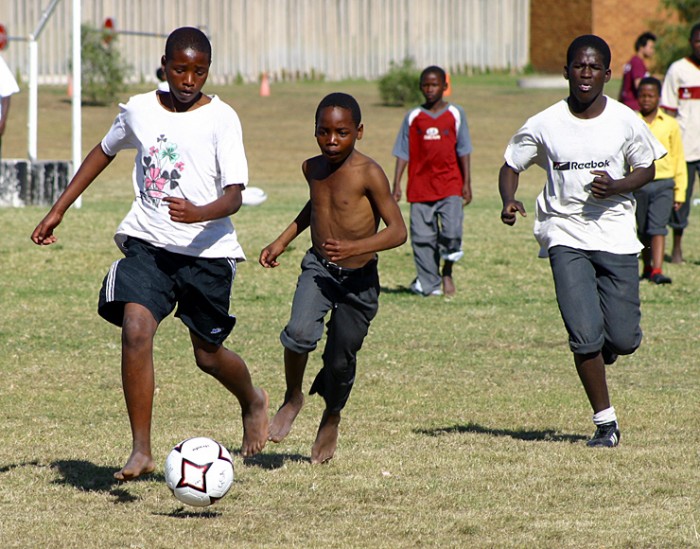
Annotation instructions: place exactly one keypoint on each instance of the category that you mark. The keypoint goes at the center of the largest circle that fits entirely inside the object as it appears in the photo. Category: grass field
(467, 425)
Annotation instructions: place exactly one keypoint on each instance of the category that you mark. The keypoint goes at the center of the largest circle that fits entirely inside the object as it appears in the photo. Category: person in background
(8, 87)
(657, 199)
(680, 97)
(636, 69)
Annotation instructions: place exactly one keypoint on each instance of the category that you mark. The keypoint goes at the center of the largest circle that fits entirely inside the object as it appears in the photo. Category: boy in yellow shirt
(657, 199)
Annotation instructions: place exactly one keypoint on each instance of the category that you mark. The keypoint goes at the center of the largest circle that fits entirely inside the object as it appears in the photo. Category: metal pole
(33, 77)
(33, 98)
(77, 94)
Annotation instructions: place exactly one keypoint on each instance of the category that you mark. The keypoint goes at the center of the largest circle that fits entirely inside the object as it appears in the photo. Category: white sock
(605, 416)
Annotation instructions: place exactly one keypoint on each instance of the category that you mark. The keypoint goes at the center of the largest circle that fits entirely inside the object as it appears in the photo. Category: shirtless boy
(349, 195)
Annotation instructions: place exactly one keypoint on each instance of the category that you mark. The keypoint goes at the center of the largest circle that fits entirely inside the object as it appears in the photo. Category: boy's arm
(508, 180)
(96, 161)
(680, 177)
(269, 254)
(392, 235)
(398, 173)
(183, 211)
(465, 166)
(604, 186)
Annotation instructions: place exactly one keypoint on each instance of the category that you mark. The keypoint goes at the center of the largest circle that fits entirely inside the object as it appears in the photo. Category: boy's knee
(297, 340)
(625, 345)
(138, 330)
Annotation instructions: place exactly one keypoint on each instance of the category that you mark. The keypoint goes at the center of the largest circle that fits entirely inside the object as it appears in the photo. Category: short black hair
(643, 38)
(696, 28)
(187, 38)
(589, 41)
(650, 81)
(342, 100)
(434, 69)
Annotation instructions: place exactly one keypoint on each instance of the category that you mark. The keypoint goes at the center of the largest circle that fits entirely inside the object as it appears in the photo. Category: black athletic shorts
(159, 280)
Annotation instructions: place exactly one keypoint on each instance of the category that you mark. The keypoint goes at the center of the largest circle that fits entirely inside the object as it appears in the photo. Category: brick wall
(619, 23)
(555, 23)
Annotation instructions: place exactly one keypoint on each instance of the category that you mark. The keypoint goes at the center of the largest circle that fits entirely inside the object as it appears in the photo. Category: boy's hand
(677, 206)
(269, 254)
(508, 212)
(181, 210)
(466, 195)
(396, 193)
(43, 234)
(337, 250)
(603, 185)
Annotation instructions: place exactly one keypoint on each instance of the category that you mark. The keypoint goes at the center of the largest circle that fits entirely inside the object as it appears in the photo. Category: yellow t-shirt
(672, 166)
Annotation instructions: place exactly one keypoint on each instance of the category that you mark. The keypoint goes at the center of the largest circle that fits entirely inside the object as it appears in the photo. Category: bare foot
(326, 438)
(137, 465)
(448, 286)
(284, 418)
(255, 423)
(676, 257)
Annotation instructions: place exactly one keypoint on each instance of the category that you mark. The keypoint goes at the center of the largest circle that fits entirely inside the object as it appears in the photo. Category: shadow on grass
(181, 513)
(89, 477)
(271, 461)
(397, 290)
(547, 435)
(10, 466)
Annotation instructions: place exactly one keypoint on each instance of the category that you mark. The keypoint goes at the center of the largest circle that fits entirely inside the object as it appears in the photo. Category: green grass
(467, 425)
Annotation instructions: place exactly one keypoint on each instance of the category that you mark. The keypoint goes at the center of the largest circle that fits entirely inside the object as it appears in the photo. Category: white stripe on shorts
(109, 284)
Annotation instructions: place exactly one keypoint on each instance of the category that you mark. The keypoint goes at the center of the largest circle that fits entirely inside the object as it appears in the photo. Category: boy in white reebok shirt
(586, 216)
(179, 243)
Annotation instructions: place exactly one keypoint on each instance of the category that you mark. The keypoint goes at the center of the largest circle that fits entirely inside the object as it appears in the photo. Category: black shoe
(646, 275)
(606, 435)
(660, 278)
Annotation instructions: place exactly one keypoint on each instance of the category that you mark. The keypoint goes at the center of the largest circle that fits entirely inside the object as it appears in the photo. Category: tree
(103, 69)
(672, 43)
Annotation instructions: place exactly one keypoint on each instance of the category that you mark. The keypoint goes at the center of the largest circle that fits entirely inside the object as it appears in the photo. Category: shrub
(401, 85)
(103, 69)
(673, 37)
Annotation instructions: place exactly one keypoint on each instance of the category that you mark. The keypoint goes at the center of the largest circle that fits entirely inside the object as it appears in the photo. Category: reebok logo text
(590, 165)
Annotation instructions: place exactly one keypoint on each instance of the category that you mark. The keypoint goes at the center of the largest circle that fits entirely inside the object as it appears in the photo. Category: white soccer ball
(199, 471)
(253, 196)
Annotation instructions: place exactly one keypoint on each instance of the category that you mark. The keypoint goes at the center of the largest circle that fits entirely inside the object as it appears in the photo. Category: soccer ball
(199, 471)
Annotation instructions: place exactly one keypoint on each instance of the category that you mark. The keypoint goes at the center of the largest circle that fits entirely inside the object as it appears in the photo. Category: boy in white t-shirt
(585, 216)
(680, 97)
(179, 243)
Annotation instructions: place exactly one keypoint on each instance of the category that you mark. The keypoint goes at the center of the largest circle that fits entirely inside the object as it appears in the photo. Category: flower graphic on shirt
(162, 168)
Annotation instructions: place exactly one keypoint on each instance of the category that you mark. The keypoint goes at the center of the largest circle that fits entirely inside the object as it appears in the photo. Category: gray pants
(598, 296)
(352, 297)
(679, 219)
(436, 231)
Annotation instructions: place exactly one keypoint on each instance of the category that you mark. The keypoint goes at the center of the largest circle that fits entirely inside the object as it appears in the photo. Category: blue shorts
(598, 297)
(159, 280)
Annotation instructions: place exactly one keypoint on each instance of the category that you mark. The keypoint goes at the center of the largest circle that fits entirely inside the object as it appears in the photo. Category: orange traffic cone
(70, 86)
(265, 86)
(448, 91)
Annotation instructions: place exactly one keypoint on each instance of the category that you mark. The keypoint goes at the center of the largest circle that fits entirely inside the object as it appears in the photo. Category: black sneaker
(660, 278)
(606, 435)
